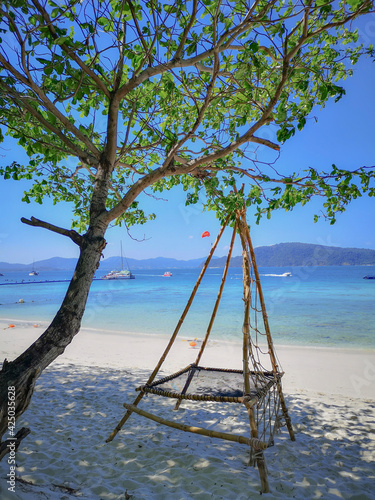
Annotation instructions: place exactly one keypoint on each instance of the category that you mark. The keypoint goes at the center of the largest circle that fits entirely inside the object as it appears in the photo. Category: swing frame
(254, 395)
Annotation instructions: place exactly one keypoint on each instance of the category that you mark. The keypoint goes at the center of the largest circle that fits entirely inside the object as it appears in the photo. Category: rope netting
(268, 411)
(259, 355)
(259, 351)
(211, 384)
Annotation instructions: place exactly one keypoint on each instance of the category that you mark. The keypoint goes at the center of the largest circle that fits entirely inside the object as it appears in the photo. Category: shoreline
(4, 322)
(308, 369)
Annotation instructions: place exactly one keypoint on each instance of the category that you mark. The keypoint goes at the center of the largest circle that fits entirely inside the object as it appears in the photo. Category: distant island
(279, 255)
(307, 254)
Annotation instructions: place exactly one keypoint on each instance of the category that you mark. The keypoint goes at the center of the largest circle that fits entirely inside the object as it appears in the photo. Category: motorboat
(167, 274)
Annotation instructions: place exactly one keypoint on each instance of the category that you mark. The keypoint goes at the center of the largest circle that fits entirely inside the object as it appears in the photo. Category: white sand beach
(79, 400)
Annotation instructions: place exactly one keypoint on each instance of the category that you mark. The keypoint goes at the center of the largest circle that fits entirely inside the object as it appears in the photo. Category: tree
(147, 95)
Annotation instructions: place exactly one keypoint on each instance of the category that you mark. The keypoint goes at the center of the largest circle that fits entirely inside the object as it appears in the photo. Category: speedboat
(167, 274)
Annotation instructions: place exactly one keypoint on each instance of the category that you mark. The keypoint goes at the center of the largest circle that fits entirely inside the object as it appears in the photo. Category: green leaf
(117, 98)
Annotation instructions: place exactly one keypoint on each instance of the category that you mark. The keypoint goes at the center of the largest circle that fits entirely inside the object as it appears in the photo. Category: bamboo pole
(246, 324)
(213, 316)
(259, 456)
(246, 298)
(257, 444)
(186, 386)
(174, 335)
(284, 409)
(271, 349)
(261, 297)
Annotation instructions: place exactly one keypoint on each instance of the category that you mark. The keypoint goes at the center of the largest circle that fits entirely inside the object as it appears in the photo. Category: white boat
(167, 274)
(286, 274)
(33, 272)
(123, 274)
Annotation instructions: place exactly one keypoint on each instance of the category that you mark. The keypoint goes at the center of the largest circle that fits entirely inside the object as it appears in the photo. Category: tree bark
(23, 372)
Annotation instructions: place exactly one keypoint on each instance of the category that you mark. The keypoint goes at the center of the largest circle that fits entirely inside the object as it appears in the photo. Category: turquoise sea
(316, 306)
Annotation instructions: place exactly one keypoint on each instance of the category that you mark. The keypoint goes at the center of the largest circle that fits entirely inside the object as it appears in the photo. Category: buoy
(11, 326)
(193, 344)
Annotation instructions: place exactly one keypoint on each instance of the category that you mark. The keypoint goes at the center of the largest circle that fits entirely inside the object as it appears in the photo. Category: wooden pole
(174, 335)
(246, 323)
(257, 444)
(284, 409)
(261, 297)
(271, 349)
(259, 456)
(213, 316)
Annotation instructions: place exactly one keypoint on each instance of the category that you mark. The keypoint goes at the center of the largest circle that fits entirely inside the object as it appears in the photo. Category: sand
(78, 401)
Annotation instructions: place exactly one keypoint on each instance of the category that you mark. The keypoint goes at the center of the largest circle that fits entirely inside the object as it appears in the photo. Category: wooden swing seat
(213, 384)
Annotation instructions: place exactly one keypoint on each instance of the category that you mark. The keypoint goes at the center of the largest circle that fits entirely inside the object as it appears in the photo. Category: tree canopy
(148, 94)
(110, 98)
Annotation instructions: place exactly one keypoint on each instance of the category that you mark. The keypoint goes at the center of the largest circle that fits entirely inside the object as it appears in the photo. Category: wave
(278, 275)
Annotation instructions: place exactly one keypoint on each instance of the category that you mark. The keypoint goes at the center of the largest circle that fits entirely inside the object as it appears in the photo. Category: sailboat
(33, 272)
(123, 274)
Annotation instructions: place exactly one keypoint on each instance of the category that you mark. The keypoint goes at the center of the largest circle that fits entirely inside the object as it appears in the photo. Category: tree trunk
(22, 373)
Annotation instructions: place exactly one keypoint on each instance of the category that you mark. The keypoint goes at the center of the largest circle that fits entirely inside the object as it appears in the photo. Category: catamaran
(33, 272)
(123, 274)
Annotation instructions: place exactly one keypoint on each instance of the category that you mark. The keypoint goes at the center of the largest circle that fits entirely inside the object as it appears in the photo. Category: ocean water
(316, 306)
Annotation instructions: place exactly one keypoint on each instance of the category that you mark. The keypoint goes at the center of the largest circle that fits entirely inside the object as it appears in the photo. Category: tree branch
(334, 24)
(139, 32)
(180, 48)
(73, 148)
(207, 69)
(13, 443)
(70, 233)
(49, 106)
(192, 61)
(201, 112)
(70, 52)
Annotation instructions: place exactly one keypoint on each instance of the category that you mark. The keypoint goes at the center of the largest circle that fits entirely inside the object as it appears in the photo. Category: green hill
(279, 255)
(306, 254)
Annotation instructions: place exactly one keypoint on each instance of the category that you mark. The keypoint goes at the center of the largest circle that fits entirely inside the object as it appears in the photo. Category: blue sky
(344, 135)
